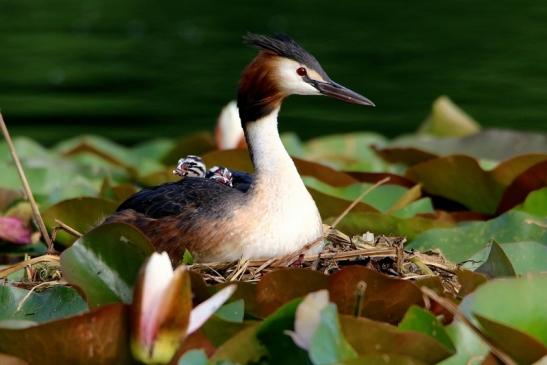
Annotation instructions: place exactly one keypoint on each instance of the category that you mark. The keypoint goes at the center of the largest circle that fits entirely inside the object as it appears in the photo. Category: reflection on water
(134, 69)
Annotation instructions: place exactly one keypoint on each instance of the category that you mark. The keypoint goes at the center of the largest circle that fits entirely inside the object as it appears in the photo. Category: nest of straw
(381, 253)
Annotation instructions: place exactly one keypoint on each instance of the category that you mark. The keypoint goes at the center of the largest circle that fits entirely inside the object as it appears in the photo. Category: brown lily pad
(385, 298)
(96, 337)
(279, 287)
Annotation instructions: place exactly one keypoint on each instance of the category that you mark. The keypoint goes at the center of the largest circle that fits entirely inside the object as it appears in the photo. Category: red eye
(301, 71)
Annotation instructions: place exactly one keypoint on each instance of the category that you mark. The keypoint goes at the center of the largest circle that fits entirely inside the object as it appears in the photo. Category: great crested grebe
(277, 215)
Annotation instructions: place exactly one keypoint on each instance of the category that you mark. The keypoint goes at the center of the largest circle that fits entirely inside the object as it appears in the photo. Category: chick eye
(301, 71)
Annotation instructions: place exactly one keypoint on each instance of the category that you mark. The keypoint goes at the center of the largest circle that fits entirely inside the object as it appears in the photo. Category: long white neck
(268, 153)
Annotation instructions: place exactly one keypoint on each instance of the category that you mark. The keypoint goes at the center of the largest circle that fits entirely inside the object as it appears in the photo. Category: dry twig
(28, 192)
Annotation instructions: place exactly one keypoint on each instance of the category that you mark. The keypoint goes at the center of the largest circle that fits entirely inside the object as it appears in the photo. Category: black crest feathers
(284, 46)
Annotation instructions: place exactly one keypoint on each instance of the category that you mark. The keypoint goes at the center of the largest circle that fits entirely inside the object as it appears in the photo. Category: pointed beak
(340, 92)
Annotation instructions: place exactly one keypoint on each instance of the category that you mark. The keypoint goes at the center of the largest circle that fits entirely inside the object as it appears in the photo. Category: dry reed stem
(64, 227)
(452, 308)
(28, 192)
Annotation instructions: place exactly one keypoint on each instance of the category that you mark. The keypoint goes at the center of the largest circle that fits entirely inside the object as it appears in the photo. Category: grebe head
(191, 165)
(284, 68)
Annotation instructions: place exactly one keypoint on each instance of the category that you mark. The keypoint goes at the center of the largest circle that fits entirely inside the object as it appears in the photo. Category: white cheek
(291, 82)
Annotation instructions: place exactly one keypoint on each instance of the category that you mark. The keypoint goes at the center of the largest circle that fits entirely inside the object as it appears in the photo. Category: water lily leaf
(518, 345)
(497, 264)
(466, 239)
(14, 230)
(347, 151)
(8, 197)
(420, 206)
(369, 337)
(532, 179)
(272, 334)
(407, 198)
(272, 291)
(155, 149)
(451, 177)
(374, 177)
(96, 337)
(39, 306)
(469, 281)
(359, 222)
(383, 359)
(331, 206)
(420, 320)
(385, 298)
(489, 144)
(507, 171)
(536, 203)
(293, 144)
(194, 144)
(448, 120)
(381, 198)
(328, 345)
(406, 155)
(243, 348)
(194, 357)
(515, 302)
(82, 214)
(105, 263)
(11, 360)
(232, 312)
(239, 159)
(470, 349)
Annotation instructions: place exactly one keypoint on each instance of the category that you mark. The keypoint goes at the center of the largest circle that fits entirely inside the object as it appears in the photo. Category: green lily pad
(382, 198)
(515, 302)
(272, 335)
(328, 345)
(466, 239)
(536, 203)
(497, 264)
(451, 177)
(359, 222)
(82, 214)
(39, 306)
(420, 320)
(518, 345)
(105, 263)
(470, 349)
(448, 120)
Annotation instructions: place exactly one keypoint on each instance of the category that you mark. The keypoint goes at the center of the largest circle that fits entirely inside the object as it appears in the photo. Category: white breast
(282, 216)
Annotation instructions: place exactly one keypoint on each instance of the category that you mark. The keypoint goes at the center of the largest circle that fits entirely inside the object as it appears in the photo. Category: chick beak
(337, 91)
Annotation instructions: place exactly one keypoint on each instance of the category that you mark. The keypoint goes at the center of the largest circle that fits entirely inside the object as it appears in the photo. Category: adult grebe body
(276, 215)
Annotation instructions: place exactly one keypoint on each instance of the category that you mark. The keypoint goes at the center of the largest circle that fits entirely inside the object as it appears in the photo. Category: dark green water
(132, 69)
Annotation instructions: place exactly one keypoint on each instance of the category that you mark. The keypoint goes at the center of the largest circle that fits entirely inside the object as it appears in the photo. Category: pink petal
(14, 230)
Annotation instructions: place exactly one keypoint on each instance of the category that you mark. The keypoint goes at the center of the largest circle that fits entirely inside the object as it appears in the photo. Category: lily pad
(420, 320)
(536, 203)
(385, 298)
(39, 306)
(359, 222)
(466, 239)
(82, 214)
(105, 263)
(96, 337)
(513, 302)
